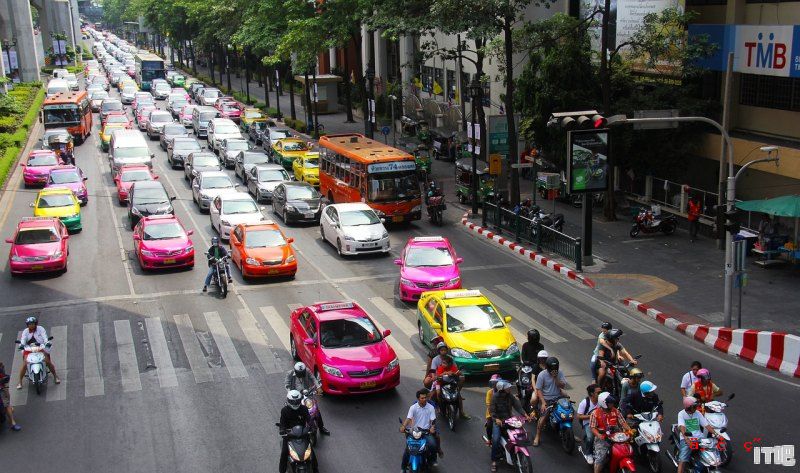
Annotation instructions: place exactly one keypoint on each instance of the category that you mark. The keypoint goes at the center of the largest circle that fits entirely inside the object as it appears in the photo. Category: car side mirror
(31, 204)
(386, 333)
(733, 395)
(189, 232)
(155, 178)
(383, 220)
(22, 165)
(459, 260)
(290, 240)
(85, 178)
(436, 326)
(173, 197)
(507, 319)
(398, 262)
(195, 185)
(9, 240)
(136, 238)
(309, 341)
(152, 156)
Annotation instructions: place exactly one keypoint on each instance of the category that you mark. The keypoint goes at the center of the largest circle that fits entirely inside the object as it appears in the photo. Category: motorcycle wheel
(727, 454)
(567, 441)
(451, 417)
(37, 381)
(437, 217)
(654, 461)
(223, 286)
(668, 227)
(634, 231)
(313, 438)
(524, 464)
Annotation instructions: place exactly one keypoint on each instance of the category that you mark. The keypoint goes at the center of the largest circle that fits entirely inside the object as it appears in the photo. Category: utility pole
(460, 84)
(726, 100)
(278, 92)
(315, 101)
(475, 92)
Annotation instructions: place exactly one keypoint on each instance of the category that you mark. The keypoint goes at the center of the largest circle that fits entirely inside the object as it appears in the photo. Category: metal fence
(524, 229)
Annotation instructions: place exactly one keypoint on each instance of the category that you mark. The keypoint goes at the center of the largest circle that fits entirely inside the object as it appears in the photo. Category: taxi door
(430, 321)
(297, 166)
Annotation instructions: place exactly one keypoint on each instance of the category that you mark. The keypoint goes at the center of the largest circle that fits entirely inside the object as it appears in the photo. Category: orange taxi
(262, 250)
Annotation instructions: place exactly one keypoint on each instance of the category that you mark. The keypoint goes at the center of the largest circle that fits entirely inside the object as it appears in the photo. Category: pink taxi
(160, 241)
(344, 348)
(38, 166)
(40, 244)
(428, 264)
(229, 110)
(72, 178)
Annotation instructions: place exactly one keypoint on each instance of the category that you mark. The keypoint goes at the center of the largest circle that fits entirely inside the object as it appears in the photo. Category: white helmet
(604, 399)
(543, 354)
(294, 399)
(300, 368)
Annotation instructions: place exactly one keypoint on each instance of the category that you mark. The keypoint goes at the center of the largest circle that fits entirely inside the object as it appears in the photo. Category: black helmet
(533, 336)
(214, 241)
(614, 334)
(31, 320)
(552, 364)
(606, 326)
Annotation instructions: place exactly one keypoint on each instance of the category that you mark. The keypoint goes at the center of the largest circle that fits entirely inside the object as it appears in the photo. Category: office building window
(438, 78)
(427, 79)
(782, 93)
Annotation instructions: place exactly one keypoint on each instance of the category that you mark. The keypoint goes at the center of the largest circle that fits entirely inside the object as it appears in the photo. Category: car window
(420, 257)
(302, 192)
(473, 317)
(35, 236)
(205, 160)
(264, 239)
(267, 175)
(348, 332)
(65, 177)
(163, 231)
(294, 146)
(56, 200)
(133, 176)
(150, 195)
(236, 145)
(255, 158)
(231, 207)
(43, 160)
(217, 182)
(354, 218)
(311, 326)
(238, 233)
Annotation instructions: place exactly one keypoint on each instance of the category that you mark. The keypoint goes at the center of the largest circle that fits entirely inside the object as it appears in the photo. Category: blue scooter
(417, 449)
(561, 415)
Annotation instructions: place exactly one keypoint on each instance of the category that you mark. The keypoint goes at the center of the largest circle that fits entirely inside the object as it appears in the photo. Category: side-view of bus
(148, 67)
(354, 168)
(70, 110)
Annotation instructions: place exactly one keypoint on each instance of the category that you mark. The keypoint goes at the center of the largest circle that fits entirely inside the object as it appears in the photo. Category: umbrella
(784, 206)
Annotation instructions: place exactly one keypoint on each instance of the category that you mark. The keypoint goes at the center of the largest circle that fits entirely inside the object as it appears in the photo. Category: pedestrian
(690, 378)
(693, 217)
(766, 229)
(5, 399)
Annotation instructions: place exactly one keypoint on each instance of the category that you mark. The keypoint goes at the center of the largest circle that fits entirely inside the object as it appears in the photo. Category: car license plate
(491, 367)
(309, 214)
(397, 218)
(37, 267)
(367, 384)
(169, 261)
(273, 271)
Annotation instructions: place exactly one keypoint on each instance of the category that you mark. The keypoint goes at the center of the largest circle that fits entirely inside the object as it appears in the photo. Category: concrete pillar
(332, 57)
(735, 11)
(381, 61)
(406, 56)
(76, 20)
(20, 28)
(64, 19)
(365, 52)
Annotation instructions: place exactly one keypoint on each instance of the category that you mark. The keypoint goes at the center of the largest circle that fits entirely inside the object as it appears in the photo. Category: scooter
(300, 448)
(36, 370)
(648, 442)
(419, 456)
(525, 384)
(621, 455)
(220, 278)
(310, 401)
(515, 442)
(705, 453)
(436, 207)
(449, 399)
(560, 421)
(645, 222)
(715, 414)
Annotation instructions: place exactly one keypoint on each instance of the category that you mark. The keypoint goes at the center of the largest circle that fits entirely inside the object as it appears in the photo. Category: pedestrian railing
(525, 230)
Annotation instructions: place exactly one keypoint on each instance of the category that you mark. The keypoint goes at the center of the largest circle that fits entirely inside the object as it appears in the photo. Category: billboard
(626, 17)
(587, 169)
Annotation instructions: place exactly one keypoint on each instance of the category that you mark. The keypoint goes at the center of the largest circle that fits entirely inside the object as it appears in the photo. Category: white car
(354, 228)
(228, 210)
(72, 80)
(220, 129)
(208, 185)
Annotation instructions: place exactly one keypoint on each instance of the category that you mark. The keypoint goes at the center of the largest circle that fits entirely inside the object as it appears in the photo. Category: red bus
(69, 110)
(354, 168)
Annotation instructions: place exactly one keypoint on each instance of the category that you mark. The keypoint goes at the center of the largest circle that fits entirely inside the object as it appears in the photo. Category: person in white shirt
(35, 333)
(423, 416)
(690, 425)
(689, 378)
(585, 408)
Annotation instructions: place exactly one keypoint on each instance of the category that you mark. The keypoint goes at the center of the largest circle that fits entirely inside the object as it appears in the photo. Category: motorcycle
(615, 374)
(525, 384)
(539, 217)
(436, 207)
(300, 448)
(220, 278)
(419, 456)
(645, 222)
(715, 414)
(705, 457)
(449, 397)
(621, 456)
(649, 439)
(310, 401)
(560, 421)
(36, 370)
(515, 442)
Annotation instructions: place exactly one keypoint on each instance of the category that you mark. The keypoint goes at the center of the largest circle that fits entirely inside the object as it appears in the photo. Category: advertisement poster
(12, 54)
(588, 161)
(627, 16)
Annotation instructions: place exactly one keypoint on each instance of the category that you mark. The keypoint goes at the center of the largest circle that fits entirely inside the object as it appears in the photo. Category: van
(59, 73)
(56, 86)
(200, 118)
(128, 147)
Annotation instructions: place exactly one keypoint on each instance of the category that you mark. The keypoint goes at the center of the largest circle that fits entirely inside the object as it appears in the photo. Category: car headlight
(16, 258)
(188, 249)
(290, 258)
(385, 234)
(393, 364)
(203, 195)
(454, 281)
(417, 208)
(349, 238)
(57, 254)
(225, 222)
(291, 208)
(147, 253)
(460, 353)
(380, 213)
(136, 212)
(332, 371)
(406, 282)
(251, 261)
(512, 349)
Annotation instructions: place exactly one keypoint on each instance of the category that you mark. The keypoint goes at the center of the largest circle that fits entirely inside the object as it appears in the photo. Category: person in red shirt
(693, 217)
(604, 420)
(448, 366)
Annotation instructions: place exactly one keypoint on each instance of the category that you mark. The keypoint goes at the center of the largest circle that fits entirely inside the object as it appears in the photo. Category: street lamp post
(393, 98)
(247, 76)
(370, 98)
(278, 92)
(315, 103)
(475, 90)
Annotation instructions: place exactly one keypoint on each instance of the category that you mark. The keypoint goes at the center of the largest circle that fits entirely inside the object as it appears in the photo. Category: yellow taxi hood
(479, 340)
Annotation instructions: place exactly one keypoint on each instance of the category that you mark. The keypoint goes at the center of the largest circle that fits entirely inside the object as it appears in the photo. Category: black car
(297, 202)
(198, 162)
(170, 131)
(179, 149)
(148, 198)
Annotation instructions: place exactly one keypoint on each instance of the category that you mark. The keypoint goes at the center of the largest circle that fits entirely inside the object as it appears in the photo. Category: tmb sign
(765, 50)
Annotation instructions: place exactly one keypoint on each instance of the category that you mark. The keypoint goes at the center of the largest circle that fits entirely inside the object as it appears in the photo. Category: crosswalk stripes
(546, 312)
(258, 341)
(128, 366)
(394, 315)
(565, 306)
(522, 317)
(197, 359)
(93, 384)
(158, 345)
(19, 397)
(58, 356)
(278, 324)
(224, 343)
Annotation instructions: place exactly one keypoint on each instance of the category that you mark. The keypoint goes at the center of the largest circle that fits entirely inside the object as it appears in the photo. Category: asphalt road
(160, 377)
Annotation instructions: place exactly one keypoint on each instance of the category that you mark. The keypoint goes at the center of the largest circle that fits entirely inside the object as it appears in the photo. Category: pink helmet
(689, 401)
(703, 373)
(493, 380)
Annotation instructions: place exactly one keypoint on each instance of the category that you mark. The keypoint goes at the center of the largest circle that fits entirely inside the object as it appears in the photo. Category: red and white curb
(777, 351)
(517, 248)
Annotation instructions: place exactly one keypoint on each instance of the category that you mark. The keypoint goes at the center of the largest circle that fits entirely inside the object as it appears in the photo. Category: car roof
(429, 241)
(335, 310)
(460, 297)
(55, 190)
(134, 167)
(214, 174)
(185, 138)
(37, 222)
(64, 167)
(236, 196)
(159, 218)
(150, 184)
(351, 206)
(265, 225)
(299, 184)
(269, 167)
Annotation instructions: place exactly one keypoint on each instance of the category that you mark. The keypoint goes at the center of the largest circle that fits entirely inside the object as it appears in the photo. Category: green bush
(7, 162)
(33, 111)
(297, 125)
(7, 124)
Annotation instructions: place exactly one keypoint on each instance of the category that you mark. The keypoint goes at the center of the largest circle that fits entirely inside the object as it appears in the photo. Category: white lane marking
(278, 324)
(58, 356)
(160, 350)
(224, 343)
(128, 366)
(395, 343)
(93, 383)
(395, 316)
(521, 316)
(19, 397)
(546, 312)
(560, 300)
(197, 360)
(258, 341)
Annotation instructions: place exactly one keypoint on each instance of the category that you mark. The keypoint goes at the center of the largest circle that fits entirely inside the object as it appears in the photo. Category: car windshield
(239, 207)
(143, 152)
(210, 94)
(349, 332)
(277, 135)
(150, 195)
(252, 115)
(264, 239)
(37, 235)
(255, 158)
(129, 90)
(226, 130)
(420, 257)
(237, 145)
(188, 109)
(206, 116)
(205, 160)
(163, 87)
(229, 107)
(185, 144)
(56, 200)
(178, 103)
(272, 175)
(354, 218)
(217, 182)
(301, 192)
(163, 231)
(117, 119)
(312, 163)
(133, 176)
(65, 177)
(294, 146)
(160, 117)
(111, 106)
(389, 186)
(472, 318)
(100, 95)
(43, 160)
(175, 129)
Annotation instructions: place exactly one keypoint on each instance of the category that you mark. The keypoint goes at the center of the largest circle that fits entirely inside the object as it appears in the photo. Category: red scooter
(621, 459)
(646, 222)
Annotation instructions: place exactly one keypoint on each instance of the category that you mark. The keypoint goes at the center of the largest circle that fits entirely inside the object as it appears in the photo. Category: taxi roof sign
(429, 238)
(459, 294)
(336, 306)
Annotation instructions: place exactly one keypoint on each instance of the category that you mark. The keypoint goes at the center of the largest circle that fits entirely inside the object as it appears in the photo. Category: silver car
(262, 179)
(229, 148)
(207, 185)
(156, 122)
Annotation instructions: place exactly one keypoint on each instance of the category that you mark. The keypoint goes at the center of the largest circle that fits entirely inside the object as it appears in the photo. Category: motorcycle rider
(421, 415)
(631, 383)
(35, 333)
(433, 190)
(5, 399)
(489, 394)
(704, 389)
(644, 400)
(618, 353)
(602, 341)
(690, 422)
(502, 407)
(531, 348)
(689, 378)
(541, 365)
(293, 413)
(604, 419)
(215, 252)
(434, 360)
(550, 386)
(298, 379)
(585, 409)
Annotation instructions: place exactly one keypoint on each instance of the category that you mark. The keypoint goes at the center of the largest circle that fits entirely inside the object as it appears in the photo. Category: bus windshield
(61, 114)
(390, 186)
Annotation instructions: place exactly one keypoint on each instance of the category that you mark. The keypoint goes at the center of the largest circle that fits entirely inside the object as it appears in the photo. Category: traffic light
(582, 120)
(732, 224)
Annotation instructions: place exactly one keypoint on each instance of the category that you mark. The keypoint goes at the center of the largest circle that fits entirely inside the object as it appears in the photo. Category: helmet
(300, 368)
(606, 326)
(543, 354)
(605, 399)
(614, 333)
(31, 320)
(552, 364)
(441, 345)
(215, 241)
(502, 385)
(689, 401)
(647, 387)
(533, 336)
(293, 399)
(703, 373)
(494, 380)
(634, 372)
